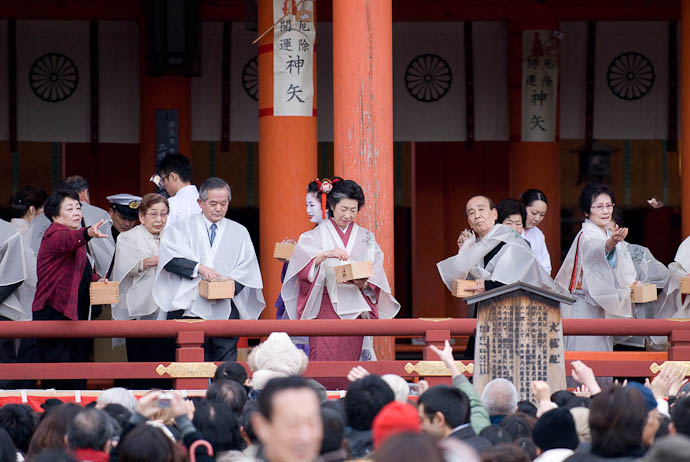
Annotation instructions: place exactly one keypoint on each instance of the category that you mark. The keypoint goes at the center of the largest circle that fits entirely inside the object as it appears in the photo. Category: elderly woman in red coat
(64, 274)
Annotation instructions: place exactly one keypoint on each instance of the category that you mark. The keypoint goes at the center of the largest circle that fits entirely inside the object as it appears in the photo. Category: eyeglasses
(156, 215)
(600, 207)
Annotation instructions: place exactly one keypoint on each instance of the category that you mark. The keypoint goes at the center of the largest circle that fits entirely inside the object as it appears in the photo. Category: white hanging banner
(539, 85)
(293, 51)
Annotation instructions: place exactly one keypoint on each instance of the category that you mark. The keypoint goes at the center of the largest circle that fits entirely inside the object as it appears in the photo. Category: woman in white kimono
(136, 258)
(536, 206)
(311, 292)
(648, 270)
(598, 271)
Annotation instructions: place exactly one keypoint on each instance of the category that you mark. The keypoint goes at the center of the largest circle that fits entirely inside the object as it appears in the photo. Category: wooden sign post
(519, 337)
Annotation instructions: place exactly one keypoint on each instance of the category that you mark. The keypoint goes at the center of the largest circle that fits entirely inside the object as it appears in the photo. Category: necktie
(212, 236)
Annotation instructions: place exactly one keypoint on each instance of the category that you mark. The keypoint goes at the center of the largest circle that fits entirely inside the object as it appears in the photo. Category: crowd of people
(279, 416)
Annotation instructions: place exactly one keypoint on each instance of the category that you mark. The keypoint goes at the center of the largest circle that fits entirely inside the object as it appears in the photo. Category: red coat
(60, 266)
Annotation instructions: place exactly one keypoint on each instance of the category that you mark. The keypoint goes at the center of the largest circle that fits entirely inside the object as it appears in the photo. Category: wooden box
(283, 250)
(216, 290)
(104, 292)
(354, 270)
(642, 293)
(462, 288)
(685, 285)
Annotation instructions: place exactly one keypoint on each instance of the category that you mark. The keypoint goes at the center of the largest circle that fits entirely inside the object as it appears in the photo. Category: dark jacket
(360, 442)
(468, 436)
(60, 267)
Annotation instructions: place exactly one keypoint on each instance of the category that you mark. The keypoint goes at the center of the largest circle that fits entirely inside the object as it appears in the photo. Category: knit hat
(395, 417)
(555, 429)
(647, 394)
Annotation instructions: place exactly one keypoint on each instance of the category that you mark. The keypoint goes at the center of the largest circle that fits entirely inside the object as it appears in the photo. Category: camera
(164, 400)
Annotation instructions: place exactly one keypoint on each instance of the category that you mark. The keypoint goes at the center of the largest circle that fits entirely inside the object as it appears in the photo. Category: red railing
(190, 336)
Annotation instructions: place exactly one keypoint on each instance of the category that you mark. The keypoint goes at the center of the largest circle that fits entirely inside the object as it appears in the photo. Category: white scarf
(136, 298)
(232, 255)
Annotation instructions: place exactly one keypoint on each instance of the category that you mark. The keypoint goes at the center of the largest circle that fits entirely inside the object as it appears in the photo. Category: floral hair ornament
(325, 187)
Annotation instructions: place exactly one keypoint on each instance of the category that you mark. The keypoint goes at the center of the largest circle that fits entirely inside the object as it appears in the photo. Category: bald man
(492, 254)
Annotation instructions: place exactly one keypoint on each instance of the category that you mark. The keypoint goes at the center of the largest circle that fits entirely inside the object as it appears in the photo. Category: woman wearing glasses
(136, 258)
(597, 271)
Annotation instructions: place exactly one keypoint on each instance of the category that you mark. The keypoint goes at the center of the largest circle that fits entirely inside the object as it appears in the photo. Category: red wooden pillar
(685, 116)
(287, 163)
(533, 164)
(363, 117)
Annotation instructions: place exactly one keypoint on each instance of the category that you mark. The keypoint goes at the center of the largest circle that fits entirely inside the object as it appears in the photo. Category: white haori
(348, 301)
(607, 286)
(16, 265)
(648, 270)
(514, 262)
(670, 303)
(537, 242)
(136, 283)
(101, 250)
(232, 255)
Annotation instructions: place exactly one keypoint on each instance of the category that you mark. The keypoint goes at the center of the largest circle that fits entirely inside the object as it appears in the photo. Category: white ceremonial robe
(514, 262)
(648, 270)
(16, 265)
(605, 290)
(232, 255)
(537, 241)
(183, 204)
(347, 300)
(671, 303)
(136, 283)
(101, 250)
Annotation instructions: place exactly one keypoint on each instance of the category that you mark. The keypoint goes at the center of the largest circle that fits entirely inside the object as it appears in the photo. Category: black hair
(231, 370)
(145, 442)
(528, 197)
(528, 446)
(75, 183)
(178, 164)
(54, 201)
(680, 416)
(275, 386)
(19, 421)
(449, 401)
(617, 418)
(118, 412)
(564, 398)
(517, 426)
(26, 197)
(53, 455)
(618, 217)
(218, 425)
(527, 407)
(345, 189)
(8, 451)
(333, 429)
(228, 392)
(496, 434)
(508, 207)
(249, 408)
(590, 193)
(364, 399)
(89, 429)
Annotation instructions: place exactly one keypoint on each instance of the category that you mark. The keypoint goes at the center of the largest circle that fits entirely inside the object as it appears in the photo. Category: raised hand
(93, 231)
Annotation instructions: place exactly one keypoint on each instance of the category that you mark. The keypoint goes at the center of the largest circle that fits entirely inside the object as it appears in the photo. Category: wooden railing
(190, 372)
